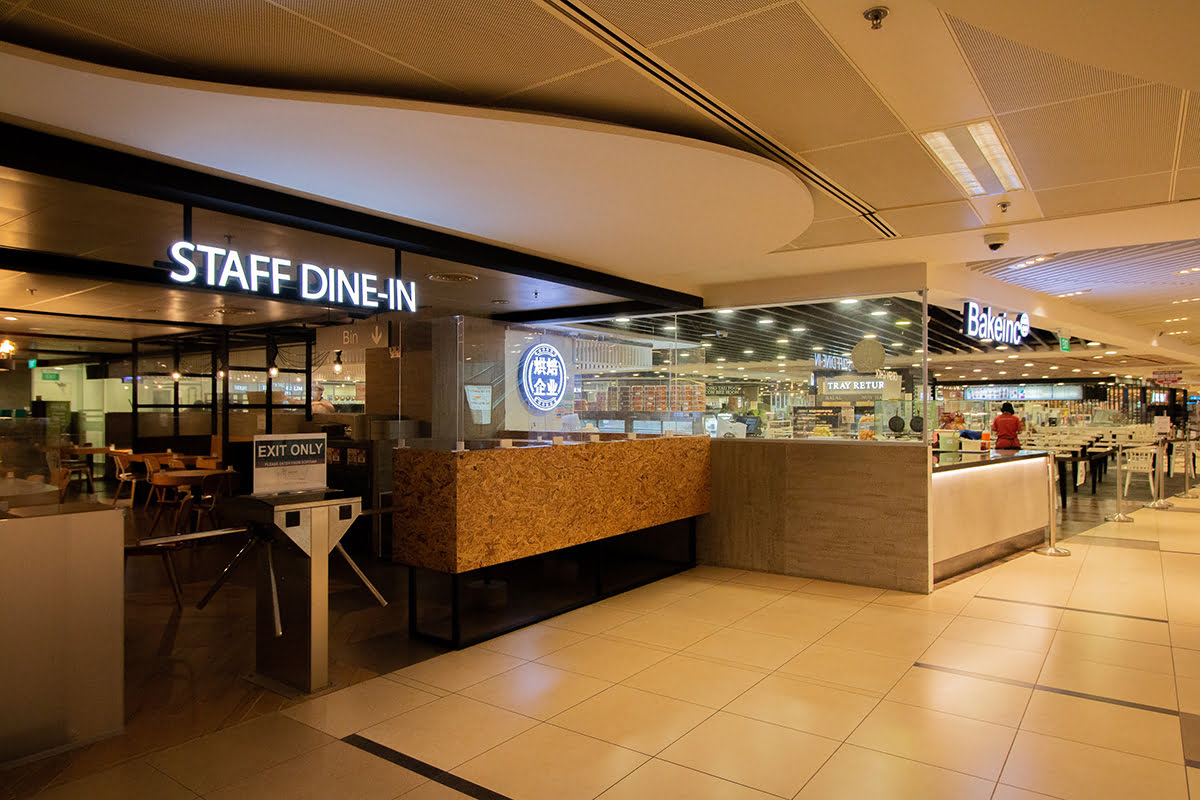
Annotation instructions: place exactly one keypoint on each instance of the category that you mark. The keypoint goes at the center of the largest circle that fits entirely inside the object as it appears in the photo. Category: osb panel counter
(459, 511)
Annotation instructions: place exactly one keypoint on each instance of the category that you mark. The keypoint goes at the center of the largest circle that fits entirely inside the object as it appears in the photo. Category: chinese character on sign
(543, 394)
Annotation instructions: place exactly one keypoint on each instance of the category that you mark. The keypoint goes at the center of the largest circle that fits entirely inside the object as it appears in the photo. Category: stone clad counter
(459, 511)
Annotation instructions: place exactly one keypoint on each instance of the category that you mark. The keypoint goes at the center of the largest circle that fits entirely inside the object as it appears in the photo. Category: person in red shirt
(1007, 426)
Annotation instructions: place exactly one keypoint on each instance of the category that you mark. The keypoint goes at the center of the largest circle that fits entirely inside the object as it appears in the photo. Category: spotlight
(337, 362)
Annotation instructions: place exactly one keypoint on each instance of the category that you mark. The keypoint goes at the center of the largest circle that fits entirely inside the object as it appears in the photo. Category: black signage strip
(100, 317)
(598, 311)
(56, 156)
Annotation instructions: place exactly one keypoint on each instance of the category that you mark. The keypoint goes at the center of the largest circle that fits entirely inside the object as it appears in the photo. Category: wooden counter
(459, 511)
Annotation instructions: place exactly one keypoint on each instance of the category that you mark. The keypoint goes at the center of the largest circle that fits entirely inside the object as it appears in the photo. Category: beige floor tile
(984, 659)
(1075, 771)
(1187, 662)
(797, 625)
(1188, 693)
(695, 680)
(767, 757)
(1019, 613)
(848, 591)
(362, 705)
(685, 584)
(640, 600)
(1013, 793)
(771, 580)
(335, 770)
(434, 791)
(1000, 634)
(912, 620)
(1193, 781)
(534, 641)
(536, 690)
(634, 719)
(449, 731)
(663, 780)
(604, 658)
(855, 773)
(944, 601)
(932, 737)
(230, 755)
(884, 641)
(1131, 730)
(714, 573)
(747, 647)
(437, 691)
(459, 669)
(1118, 652)
(591, 619)
(977, 698)
(1107, 680)
(549, 763)
(819, 606)
(744, 595)
(1184, 635)
(707, 610)
(666, 628)
(796, 703)
(848, 668)
(1137, 630)
(133, 779)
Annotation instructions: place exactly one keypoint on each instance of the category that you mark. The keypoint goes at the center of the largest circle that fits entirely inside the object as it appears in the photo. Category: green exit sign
(1064, 344)
(50, 376)
(32, 363)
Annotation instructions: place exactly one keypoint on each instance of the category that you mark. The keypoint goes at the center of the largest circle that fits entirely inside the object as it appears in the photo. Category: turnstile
(297, 533)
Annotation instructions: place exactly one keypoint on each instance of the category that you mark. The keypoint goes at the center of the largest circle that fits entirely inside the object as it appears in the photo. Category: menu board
(1036, 391)
(805, 419)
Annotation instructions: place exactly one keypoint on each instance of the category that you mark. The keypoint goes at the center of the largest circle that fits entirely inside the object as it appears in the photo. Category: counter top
(947, 460)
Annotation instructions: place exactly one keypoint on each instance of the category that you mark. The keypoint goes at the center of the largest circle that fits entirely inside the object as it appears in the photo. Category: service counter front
(501, 537)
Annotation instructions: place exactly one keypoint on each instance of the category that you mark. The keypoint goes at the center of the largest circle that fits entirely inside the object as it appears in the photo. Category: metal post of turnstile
(1120, 516)
(1161, 502)
(1187, 464)
(1052, 549)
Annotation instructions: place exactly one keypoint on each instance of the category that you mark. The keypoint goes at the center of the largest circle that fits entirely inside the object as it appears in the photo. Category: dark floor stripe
(1192, 763)
(1181, 552)
(425, 770)
(1112, 541)
(1189, 732)
(1069, 608)
(1044, 688)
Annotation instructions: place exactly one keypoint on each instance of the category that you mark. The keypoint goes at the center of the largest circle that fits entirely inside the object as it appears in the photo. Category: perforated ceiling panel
(652, 23)
(780, 71)
(837, 231)
(1187, 184)
(615, 92)
(1142, 190)
(890, 172)
(1189, 153)
(486, 48)
(1015, 76)
(927, 220)
(266, 45)
(1130, 132)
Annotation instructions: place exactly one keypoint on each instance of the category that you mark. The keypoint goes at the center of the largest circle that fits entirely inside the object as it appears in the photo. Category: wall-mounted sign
(1167, 375)
(981, 323)
(543, 377)
(479, 403)
(883, 386)
(1064, 344)
(226, 269)
(823, 361)
(291, 463)
(367, 333)
(1036, 391)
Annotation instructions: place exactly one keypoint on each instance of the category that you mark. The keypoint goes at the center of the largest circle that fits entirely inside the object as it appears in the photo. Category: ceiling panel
(891, 172)
(1187, 184)
(615, 92)
(1189, 152)
(1115, 135)
(267, 45)
(1015, 76)
(652, 23)
(836, 231)
(932, 219)
(1142, 190)
(486, 48)
(825, 207)
(779, 70)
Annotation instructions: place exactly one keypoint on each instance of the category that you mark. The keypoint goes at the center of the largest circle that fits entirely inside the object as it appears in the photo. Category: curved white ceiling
(613, 198)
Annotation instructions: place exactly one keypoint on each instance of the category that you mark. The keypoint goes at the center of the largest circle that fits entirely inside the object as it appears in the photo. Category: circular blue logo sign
(543, 377)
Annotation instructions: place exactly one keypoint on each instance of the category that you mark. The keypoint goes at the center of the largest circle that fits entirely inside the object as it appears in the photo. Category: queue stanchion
(1120, 516)
(1187, 492)
(1052, 549)
(1160, 503)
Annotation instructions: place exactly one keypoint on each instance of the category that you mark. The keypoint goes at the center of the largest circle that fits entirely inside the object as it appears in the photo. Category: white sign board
(479, 401)
(1162, 425)
(367, 333)
(1167, 375)
(293, 462)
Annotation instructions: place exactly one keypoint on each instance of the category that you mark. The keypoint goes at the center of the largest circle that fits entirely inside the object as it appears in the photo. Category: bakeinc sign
(227, 269)
(981, 323)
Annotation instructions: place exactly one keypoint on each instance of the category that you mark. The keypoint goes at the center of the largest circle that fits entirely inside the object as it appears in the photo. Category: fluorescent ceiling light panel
(989, 144)
(948, 154)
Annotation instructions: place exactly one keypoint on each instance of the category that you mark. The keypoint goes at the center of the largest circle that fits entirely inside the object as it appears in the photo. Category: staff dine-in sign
(226, 268)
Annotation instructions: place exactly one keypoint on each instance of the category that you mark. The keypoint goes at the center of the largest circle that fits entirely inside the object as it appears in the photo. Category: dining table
(18, 492)
(180, 479)
(141, 457)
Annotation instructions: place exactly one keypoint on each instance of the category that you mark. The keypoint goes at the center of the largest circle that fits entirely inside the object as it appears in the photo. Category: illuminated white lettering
(369, 291)
(233, 269)
(309, 272)
(408, 296)
(189, 269)
(347, 286)
(255, 271)
(278, 276)
(210, 262)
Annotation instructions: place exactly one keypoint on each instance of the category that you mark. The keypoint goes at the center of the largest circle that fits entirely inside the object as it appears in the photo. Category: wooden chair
(80, 466)
(125, 475)
(153, 465)
(211, 490)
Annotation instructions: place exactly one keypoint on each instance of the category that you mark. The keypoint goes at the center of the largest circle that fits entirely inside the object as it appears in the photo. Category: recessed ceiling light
(901, 344)
(781, 341)
(781, 356)
(11, 319)
(818, 347)
(879, 313)
(1045, 376)
(741, 367)
(799, 330)
(997, 157)
(1054, 367)
(1085, 291)
(1095, 372)
(1002, 372)
(1001, 347)
(1110, 352)
(916, 365)
(1024, 374)
(1097, 356)
(1075, 370)
(766, 321)
(986, 341)
(918, 351)
(849, 301)
(720, 359)
(668, 327)
(904, 322)
(621, 319)
(947, 153)
(869, 336)
(706, 344)
(998, 361)
(1093, 344)
(747, 352)
(1027, 364)
(976, 370)
(724, 310)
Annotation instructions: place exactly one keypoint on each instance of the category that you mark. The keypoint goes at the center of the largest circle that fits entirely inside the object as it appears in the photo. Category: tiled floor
(1038, 678)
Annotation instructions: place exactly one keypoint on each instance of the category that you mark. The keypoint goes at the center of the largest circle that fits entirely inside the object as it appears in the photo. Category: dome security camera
(995, 241)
